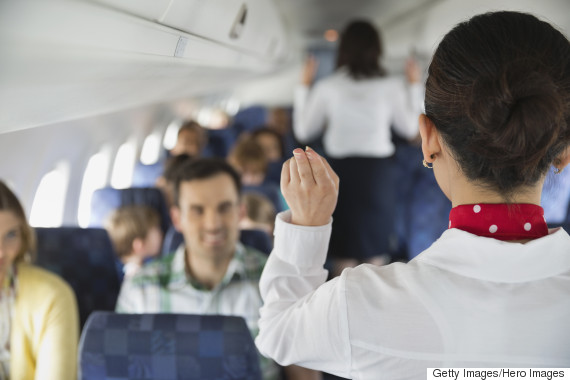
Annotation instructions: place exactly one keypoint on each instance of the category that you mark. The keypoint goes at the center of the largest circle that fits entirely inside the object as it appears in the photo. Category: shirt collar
(489, 259)
(179, 277)
(500, 221)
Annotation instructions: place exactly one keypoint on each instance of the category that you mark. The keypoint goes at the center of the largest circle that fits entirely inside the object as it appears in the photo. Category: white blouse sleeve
(309, 112)
(303, 320)
(408, 104)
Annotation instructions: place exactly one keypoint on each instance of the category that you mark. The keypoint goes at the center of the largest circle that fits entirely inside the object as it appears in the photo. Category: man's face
(208, 216)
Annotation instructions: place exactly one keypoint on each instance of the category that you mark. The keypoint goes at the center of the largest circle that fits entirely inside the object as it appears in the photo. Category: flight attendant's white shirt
(357, 114)
(467, 301)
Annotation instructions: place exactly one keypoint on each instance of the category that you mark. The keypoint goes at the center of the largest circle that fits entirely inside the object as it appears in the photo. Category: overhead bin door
(252, 26)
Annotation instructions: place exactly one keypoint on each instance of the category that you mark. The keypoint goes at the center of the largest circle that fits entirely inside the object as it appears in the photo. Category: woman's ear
(430, 139)
(563, 159)
(138, 246)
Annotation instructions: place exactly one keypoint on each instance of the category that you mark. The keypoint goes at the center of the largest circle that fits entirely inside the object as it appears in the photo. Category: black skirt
(363, 221)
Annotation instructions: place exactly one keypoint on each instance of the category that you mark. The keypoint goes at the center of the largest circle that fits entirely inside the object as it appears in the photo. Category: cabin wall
(27, 155)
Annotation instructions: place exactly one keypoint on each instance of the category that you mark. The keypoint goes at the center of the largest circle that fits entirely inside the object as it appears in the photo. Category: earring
(558, 170)
(427, 165)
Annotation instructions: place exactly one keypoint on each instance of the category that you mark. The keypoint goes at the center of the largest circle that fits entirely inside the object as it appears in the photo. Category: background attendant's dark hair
(498, 91)
(360, 50)
(204, 168)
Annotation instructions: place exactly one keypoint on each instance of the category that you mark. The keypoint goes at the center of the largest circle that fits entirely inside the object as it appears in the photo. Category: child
(259, 213)
(248, 158)
(136, 235)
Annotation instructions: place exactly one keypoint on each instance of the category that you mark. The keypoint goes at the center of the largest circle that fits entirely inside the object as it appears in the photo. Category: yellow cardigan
(45, 327)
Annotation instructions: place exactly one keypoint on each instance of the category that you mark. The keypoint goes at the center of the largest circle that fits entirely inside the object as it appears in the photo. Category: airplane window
(151, 148)
(49, 201)
(171, 134)
(95, 177)
(122, 175)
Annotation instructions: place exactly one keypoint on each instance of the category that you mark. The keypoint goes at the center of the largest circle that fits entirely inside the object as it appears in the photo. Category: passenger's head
(135, 232)
(249, 160)
(279, 120)
(207, 210)
(259, 213)
(271, 142)
(360, 50)
(191, 140)
(498, 94)
(167, 181)
(17, 238)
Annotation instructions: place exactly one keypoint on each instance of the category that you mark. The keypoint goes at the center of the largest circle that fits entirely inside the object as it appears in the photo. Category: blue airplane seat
(220, 142)
(108, 199)
(250, 118)
(83, 257)
(274, 172)
(172, 239)
(257, 239)
(269, 190)
(167, 347)
(146, 175)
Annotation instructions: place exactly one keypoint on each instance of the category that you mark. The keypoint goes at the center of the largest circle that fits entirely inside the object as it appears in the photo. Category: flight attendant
(356, 107)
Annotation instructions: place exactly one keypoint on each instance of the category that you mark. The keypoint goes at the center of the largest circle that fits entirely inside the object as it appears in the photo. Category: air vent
(239, 23)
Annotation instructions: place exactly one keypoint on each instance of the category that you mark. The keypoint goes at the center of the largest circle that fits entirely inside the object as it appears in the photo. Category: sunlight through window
(151, 148)
(95, 177)
(123, 167)
(171, 134)
(49, 201)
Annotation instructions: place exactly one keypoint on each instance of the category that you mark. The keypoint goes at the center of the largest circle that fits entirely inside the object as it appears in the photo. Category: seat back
(108, 199)
(250, 118)
(220, 141)
(257, 239)
(146, 175)
(86, 260)
(270, 191)
(167, 347)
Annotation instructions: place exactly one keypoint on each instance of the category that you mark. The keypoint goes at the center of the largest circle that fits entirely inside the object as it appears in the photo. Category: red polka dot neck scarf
(500, 221)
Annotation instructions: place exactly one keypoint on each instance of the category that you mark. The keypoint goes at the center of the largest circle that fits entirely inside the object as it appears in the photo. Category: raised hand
(309, 71)
(310, 188)
(413, 72)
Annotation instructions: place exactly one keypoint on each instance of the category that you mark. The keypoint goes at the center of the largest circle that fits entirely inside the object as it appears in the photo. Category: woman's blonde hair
(9, 202)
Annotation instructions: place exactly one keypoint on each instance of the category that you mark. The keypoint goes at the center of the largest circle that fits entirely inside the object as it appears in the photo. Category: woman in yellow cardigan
(39, 324)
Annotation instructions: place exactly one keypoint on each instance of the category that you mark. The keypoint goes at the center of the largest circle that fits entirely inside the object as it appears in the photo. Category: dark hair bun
(507, 112)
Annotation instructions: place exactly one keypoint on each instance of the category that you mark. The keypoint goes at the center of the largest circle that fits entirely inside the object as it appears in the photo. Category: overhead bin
(103, 59)
(252, 26)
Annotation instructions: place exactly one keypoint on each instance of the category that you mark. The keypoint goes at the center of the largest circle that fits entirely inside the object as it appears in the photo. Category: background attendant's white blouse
(357, 114)
(467, 301)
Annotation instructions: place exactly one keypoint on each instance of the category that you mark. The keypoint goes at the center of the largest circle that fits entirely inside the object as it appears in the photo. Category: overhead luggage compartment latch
(239, 23)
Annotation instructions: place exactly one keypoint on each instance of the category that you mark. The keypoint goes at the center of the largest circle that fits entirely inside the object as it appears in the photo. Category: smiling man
(211, 272)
